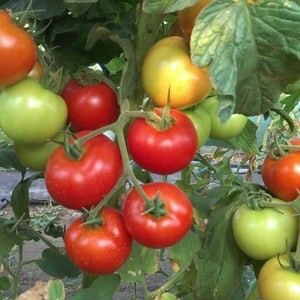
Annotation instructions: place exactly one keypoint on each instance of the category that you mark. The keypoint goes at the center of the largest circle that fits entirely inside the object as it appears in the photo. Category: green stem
(18, 272)
(44, 240)
(171, 281)
(297, 255)
(126, 163)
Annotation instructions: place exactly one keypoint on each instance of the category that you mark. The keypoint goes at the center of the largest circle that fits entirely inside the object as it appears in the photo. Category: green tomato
(222, 130)
(35, 156)
(30, 114)
(277, 283)
(202, 123)
(266, 232)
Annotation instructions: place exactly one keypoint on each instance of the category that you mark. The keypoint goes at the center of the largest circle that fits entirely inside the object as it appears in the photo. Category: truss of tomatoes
(82, 183)
(281, 175)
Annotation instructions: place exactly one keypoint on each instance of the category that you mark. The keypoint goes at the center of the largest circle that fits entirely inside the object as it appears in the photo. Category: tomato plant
(276, 281)
(168, 72)
(223, 130)
(162, 150)
(167, 222)
(281, 174)
(84, 181)
(90, 106)
(265, 232)
(99, 248)
(230, 53)
(17, 51)
(202, 123)
(31, 114)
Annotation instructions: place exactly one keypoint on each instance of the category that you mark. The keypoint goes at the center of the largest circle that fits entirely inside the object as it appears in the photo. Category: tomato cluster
(281, 172)
(30, 115)
(270, 233)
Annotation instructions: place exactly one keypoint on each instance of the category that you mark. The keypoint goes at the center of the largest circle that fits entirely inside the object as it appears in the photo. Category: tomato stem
(156, 207)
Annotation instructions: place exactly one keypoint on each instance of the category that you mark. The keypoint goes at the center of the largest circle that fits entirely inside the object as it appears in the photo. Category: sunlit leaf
(251, 51)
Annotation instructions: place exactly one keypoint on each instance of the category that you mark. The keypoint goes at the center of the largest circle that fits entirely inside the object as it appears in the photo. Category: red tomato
(100, 249)
(18, 52)
(162, 231)
(83, 183)
(163, 151)
(91, 106)
(281, 176)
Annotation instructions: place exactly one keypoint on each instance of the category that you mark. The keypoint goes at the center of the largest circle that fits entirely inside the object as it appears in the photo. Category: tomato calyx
(92, 218)
(160, 118)
(293, 264)
(155, 207)
(282, 148)
(73, 149)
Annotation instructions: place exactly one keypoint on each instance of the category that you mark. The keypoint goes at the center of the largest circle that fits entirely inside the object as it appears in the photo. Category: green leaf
(9, 160)
(106, 286)
(183, 252)
(48, 9)
(20, 196)
(141, 261)
(220, 257)
(57, 265)
(246, 140)
(166, 6)
(56, 290)
(251, 49)
(4, 283)
(87, 294)
(7, 239)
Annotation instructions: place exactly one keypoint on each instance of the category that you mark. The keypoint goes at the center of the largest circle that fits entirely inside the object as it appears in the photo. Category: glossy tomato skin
(187, 17)
(18, 51)
(82, 183)
(166, 230)
(201, 122)
(162, 151)
(263, 233)
(276, 283)
(281, 176)
(35, 156)
(91, 106)
(219, 130)
(37, 71)
(100, 250)
(30, 114)
(167, 67)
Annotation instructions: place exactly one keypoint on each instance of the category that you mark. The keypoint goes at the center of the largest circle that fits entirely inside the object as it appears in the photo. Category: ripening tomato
(31, 114)
(187, 17)
(202, 123)
(35, 156)
(168, 71)
(99, 249)
(276, 282)
(266, 232)
(83, 182)
(162, 151)
(281, 175)
(18, 51)
(90, 106)
(219, 130)
(153, 230)
(37, 71)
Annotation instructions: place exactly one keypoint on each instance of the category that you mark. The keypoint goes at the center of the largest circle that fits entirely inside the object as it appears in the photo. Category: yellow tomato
(167, 70)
